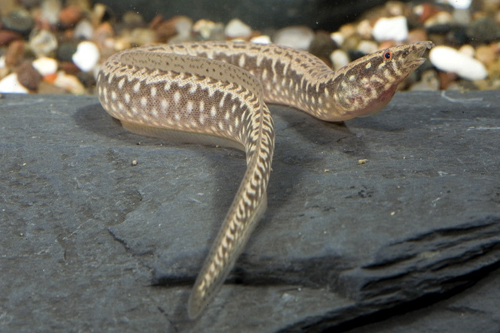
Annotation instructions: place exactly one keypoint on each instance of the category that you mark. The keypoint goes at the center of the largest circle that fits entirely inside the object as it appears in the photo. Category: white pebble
(467, 49)
(51, 10)
(84, 30)
(237, 29)
(45, 65)
(70, 83)
(43, 43)
(86, 56)
(394, 28)
(448, 59)
(2, 61)
(10, 84)
(367, 47)
(299, 37)
(337, 37)
(339, 59)
(262, 39)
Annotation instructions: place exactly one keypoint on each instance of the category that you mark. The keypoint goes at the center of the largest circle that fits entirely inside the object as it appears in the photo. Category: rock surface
(93, 240)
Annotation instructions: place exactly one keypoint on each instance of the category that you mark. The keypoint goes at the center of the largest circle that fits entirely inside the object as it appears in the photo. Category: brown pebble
(103, 33)
(485, 54)
(70, 16)
(446, 78)
(426, 11)
(14, 54)
(7, 36)
(387, 44)
(416, 35)
(69, 67)
(167, 29)
(155, 22)
(28, 76)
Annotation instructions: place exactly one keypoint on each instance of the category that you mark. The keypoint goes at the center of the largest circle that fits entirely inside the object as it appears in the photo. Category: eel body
(216, 93)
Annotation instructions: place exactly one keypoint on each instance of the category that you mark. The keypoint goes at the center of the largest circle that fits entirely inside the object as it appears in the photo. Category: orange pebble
(50, 78)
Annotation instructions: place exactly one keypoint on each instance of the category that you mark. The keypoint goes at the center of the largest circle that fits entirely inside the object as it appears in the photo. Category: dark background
(259, 14)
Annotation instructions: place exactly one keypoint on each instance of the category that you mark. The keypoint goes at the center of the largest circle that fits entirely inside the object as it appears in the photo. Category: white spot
(167, 86)
(202, 106)
(189, 107)
(137, 86)
(177, 117)
(202, 118)
(121, 83)
(113, 96)
(164, 103)
(144, 101)
(153, 91)
(233, 109)
(241, 62)
(177, 97)
(127, 98)
(221, 104)
(193, 89)
(352, 78)
(368, 65)
(213, 112)
(154, 112)
(221, 125)
(226, 116)
(134, 110)
(264, 74)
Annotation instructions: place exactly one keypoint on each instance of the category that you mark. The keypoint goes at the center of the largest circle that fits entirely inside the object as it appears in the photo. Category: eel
(216, 93)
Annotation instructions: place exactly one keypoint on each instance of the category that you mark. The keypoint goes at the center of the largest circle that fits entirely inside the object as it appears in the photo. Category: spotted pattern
(218, 89)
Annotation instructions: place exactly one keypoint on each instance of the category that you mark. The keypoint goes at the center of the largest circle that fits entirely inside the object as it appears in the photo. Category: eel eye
(387, 55)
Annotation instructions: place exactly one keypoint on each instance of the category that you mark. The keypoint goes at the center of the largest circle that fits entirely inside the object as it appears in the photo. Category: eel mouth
(415, 58)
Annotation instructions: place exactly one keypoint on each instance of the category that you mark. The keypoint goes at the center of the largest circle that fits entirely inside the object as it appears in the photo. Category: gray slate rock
(90, 241)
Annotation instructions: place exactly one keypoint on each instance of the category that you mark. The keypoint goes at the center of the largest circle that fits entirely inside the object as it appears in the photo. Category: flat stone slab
(103, 229)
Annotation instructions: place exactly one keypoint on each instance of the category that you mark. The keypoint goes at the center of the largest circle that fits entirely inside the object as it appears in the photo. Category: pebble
(28, 76)
(339, 59)
(441, 23)
(83, 30)
(262, 39)
(45, 66)
(299, 37)
(458, 4)
(367, 47)
(428, 81)
(133, 20)
(237, 29)
(18, 20)
(69, 83)
(485, 54)
(7, 36)
(66, 51)
(338, 38)
(141, 36)
(86, 56)
(322, 46)
(448, 59)
(70, 15)
(394, 28)
(204, 28)
(484, 29)
(14, 54)
(51, 10)
(10, 84)
(43, 43)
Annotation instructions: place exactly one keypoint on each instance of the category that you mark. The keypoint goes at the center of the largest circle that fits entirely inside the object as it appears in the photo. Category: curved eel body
(215, 92)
